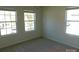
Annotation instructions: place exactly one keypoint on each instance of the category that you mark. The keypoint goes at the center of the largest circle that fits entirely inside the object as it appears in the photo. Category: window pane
(2, 18)
(8, 24)
(13, 30)
(73, 28)
(13, 18)
(32, 28)
(29, 16)
(7, 12)
(29, 23)
(9, 31)
(1, 12)
(13, 13)
(3, 25)
(25, 17)
(7, 18)
(73, 14)
(13, 24)
(3, 31)
(27, 28)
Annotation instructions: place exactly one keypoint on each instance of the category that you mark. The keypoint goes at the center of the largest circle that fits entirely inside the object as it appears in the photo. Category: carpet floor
(39, 45)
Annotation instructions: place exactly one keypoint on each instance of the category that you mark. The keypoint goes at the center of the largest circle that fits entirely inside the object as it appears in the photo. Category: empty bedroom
(39, 29)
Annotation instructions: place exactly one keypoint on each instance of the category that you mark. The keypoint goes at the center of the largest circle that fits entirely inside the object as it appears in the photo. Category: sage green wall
(54, 24)
(21, 34)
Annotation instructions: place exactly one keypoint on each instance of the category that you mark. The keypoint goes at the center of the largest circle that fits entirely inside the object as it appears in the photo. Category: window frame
(32, 20)
(10, 22)
(69, 21)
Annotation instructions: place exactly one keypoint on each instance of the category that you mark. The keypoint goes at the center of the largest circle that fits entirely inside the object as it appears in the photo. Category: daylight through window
(72, 21)
(29, 19)
(7, 22)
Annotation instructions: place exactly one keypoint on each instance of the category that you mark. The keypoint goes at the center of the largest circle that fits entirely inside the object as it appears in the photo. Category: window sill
(8, 35)
(30, 31)
(72, 35)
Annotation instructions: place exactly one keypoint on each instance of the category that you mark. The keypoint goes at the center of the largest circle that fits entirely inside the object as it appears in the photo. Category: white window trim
(66, 21)
(16, 22)
(34, 20)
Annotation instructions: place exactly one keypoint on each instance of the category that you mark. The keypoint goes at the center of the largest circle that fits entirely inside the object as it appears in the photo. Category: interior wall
(54, 24)
(21, 35)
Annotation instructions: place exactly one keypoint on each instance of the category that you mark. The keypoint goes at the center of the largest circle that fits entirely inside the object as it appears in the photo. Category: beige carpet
(38, 45)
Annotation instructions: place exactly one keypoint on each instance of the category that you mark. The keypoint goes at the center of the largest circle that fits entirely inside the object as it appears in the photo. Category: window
(29, 19)
(7, 22)
(72, 21)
